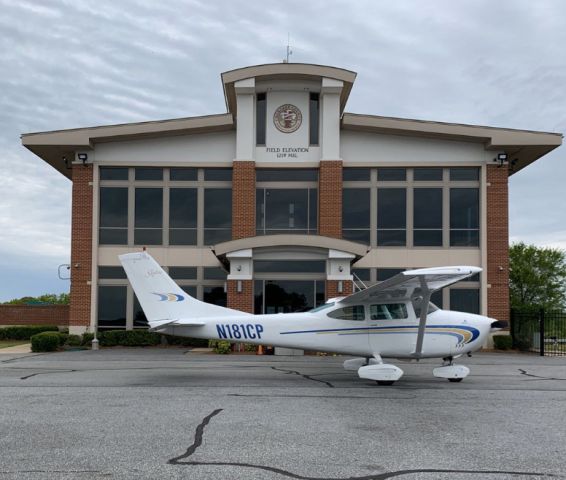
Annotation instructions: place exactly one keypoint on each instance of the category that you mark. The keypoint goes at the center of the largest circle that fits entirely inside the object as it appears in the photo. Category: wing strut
(426, 293)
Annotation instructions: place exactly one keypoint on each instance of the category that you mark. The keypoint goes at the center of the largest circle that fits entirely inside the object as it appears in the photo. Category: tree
(50, 298)
(537, 276)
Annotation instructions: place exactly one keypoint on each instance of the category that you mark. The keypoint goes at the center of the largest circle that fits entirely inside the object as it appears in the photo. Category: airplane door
(387, 327)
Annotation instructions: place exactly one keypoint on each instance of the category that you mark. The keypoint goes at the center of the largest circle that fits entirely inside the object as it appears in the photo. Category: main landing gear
(454, 373)
(374, 369)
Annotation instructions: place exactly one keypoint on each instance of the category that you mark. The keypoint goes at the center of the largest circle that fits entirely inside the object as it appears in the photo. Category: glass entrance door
(287, 296)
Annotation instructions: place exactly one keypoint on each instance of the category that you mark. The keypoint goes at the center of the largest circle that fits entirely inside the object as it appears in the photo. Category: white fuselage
(447, 333)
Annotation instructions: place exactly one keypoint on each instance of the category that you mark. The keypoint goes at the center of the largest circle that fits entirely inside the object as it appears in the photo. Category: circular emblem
(287, 118)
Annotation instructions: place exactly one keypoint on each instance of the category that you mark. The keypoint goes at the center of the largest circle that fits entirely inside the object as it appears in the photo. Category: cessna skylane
(392, 319)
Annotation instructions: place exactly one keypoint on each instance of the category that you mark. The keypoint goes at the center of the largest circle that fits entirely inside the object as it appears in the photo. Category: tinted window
(391, 216)
(465, 300)
(391, 311)
(113, 207)
(427, 174)
(391, 174)
(112, 306)
(218, 174)
(356, 174)
(111, 272)
(183, 174)
(113, 216)
(184, 273)
(464, 217)
(217, 215)
(148, 216)
(356, 214)
(112, 173)
(313, 119)
(363, 274)
(183, 216)
(355, 312)
(143, 173)
(140, 319)
(281, 210)
(427, 220)
(462, 174)
(214, 273)
(387, 273)
(260, 115)
(309, 266)
(215, 295)
(286, 175)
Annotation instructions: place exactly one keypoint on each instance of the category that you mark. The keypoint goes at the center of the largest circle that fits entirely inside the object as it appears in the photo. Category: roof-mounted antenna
(289, 51)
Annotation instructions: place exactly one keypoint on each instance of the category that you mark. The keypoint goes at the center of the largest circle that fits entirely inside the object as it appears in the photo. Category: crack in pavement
(47, 373)
(199, 432)
(198, 438)
(538, 377)
(12, 472)
(305, 376)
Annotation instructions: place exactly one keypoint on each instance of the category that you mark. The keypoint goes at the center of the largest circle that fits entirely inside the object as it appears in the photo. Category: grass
(12, 343)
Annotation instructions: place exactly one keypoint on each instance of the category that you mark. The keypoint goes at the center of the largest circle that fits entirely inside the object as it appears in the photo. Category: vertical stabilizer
(160, 297)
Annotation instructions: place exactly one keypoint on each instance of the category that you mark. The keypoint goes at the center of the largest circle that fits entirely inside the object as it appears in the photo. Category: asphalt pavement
(165, 413)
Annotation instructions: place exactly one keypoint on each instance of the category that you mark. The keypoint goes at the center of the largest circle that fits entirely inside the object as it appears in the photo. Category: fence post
(541, 330)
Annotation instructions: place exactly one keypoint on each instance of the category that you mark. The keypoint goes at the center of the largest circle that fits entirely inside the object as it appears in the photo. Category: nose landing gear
(453, 373)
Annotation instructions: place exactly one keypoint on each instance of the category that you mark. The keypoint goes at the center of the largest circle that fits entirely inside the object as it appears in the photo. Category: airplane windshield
(324, 306)
(417, 303)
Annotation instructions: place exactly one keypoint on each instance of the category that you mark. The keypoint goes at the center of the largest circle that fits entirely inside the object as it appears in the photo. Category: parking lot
(166, 413)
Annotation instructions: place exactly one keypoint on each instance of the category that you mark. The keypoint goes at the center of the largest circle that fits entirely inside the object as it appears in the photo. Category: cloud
(73, 63)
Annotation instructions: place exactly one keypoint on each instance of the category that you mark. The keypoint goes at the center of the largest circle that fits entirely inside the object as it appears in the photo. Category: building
(274, 205)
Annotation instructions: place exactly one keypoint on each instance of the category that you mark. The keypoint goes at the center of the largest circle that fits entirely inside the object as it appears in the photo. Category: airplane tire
(385, 382)
(454, 380)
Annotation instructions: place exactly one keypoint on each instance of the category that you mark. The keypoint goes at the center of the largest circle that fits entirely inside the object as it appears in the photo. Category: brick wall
(497, 242)
(330, 198)
(244, 300)
(243, 199)
(81, 246)
(332, 288)
(34, 315)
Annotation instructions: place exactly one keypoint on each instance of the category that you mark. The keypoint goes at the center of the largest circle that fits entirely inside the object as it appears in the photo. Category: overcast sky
(77, 63)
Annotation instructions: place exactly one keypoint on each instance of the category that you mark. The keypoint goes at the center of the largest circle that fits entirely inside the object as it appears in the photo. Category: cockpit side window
(388, 311)
(355, 312)
(417, 303)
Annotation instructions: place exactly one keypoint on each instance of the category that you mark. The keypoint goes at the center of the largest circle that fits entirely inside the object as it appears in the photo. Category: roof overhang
(524, 146)
(285, 71)
(55, 146)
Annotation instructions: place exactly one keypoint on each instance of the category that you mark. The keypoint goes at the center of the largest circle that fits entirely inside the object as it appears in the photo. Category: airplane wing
(413, 283)
(405, 285)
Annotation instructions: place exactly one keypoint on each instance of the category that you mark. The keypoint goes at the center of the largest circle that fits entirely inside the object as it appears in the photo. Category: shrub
(25, 332)
(250, 347)
(128, 338)
(503, 342)
(220, 346)
(45, 342)
(73, 340)
(87, 338)
(63, 338)
(185, 341)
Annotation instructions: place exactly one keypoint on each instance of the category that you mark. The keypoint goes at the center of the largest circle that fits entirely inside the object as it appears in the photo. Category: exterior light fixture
(502, 159)
(340, 268)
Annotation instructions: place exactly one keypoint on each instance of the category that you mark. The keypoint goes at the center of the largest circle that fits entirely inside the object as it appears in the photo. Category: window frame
(410, 184)
(200, 184)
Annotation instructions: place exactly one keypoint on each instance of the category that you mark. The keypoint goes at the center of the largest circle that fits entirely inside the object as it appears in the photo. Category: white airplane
(384, 320)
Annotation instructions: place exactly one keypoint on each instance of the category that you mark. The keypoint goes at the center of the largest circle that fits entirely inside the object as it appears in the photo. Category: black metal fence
(540, 331)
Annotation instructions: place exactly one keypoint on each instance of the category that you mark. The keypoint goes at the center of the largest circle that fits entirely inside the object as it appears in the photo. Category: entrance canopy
(238, 255)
